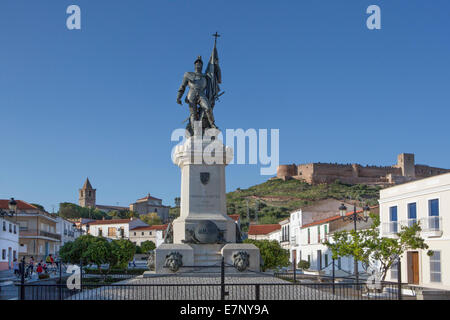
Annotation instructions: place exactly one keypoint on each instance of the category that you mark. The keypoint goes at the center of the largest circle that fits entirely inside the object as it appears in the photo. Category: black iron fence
(245, 291)
(293, 289)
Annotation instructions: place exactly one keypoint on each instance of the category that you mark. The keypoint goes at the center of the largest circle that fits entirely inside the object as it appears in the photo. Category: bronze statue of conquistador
(203, 91)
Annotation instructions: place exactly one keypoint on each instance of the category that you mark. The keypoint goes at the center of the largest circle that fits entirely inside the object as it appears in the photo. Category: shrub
(304, 265)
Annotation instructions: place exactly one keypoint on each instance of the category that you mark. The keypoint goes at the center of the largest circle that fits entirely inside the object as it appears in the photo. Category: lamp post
(355, 218)
(12, 206)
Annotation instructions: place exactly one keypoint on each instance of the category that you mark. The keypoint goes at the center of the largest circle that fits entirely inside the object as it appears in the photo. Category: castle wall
(316, 173)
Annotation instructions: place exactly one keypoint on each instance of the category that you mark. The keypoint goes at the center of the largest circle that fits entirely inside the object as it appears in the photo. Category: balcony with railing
(431, 226)
(293, 241)
(25, 232)
(390, 228)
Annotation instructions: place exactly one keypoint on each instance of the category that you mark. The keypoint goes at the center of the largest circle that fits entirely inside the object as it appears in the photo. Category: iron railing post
(223, 293)
(60, 280)
(22, 279)
(81, 275)
(294, 268)
(333, 278)
(399, 279)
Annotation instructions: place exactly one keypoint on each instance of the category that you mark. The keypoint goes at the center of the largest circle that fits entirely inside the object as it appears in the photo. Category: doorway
(413, 267)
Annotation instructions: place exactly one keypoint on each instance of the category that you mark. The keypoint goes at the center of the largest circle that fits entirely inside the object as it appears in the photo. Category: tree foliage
(88, 249)
(147, 246)
(272, 254)
(72, 211)
(122, 252)
(368, 246)
(151, 218)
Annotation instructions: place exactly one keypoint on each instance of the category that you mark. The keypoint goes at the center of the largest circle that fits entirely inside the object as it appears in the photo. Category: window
(135, 233)
(433, 212)
(318, 233)
(4, 226)
(15, 229)
(309, 236)
(339, 263)
(412, 214)
(142, 233)
(435, 267)
(326, 259)
(3, 254)
(150, 233)
(325, 227)
(309, 258)
(10, 228)
(319, 259)
(393, 219)
(394, 271)
(112, 232)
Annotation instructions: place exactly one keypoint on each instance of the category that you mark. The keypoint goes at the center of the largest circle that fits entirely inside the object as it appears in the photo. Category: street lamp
(355, 218)
(12, 206)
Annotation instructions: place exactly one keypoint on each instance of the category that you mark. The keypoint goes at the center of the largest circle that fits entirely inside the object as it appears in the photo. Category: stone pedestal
(203, 225)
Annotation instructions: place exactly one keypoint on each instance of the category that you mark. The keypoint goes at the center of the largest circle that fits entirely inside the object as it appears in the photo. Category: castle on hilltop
(315, 173)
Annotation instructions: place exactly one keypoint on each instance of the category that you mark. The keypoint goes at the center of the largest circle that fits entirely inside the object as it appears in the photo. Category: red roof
(332, 218)
(235, 217)
(263, 229)
(154, 227)
(112, 221)
(21, 205)
(148, 197)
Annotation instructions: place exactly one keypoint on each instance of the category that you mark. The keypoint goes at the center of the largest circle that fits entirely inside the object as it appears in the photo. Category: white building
(115, 228)
(310, 226)
(9, 243)
(265, 232)
(153, 233)
(426, 201)
(65, 228)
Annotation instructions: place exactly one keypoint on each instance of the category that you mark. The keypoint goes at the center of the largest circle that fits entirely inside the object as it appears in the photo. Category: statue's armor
(197, 83)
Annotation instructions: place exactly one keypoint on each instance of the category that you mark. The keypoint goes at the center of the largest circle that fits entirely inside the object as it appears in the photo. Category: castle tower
(406, 162)
(87, 195)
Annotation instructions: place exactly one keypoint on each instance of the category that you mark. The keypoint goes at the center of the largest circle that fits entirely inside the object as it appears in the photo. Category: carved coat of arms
(204, 177)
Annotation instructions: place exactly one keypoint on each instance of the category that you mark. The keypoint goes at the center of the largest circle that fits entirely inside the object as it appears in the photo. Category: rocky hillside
(274, 199)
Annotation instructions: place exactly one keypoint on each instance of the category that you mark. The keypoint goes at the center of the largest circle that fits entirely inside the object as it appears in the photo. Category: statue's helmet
(199, 60)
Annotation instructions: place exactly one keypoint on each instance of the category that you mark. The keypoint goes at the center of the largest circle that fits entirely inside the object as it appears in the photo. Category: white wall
(420, 192)
(9, 241)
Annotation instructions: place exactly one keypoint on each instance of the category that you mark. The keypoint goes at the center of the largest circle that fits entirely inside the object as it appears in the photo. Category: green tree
(72, 211)
(147, 246)
(86, 249)
(151, 218)
(367, 245)
(271, 252)
(122, 252)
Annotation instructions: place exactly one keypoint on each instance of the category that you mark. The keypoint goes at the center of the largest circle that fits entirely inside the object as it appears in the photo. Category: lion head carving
(241, 260)
(174, 261)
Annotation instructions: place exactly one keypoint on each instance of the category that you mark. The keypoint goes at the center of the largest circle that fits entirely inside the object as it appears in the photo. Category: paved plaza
(206, 287)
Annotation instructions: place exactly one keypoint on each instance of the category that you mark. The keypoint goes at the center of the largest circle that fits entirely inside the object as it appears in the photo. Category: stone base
(166, 248)
(206, 258)
(254, 255)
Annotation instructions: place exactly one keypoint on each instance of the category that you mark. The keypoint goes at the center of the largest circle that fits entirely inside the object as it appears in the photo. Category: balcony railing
(293, 240)
(390, 227)
(37, 233)
(431, 226)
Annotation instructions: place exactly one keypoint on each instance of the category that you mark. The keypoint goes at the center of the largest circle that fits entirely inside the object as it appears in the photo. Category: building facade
(114, 229)
(426, 202)
(9, 240)
(38, 236)
(67, 231)
(154, 234)
(151, 204)
(265, 232)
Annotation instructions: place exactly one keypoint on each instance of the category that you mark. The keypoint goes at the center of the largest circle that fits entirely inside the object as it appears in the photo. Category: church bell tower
(87, 195)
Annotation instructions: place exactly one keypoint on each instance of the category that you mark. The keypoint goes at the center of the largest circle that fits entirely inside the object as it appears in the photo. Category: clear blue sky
(100, 102)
